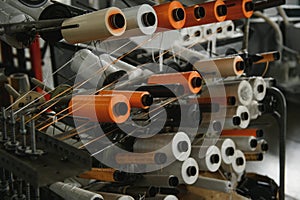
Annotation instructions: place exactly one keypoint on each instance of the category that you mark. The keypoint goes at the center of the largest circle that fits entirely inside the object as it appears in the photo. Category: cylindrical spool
(268, 57)
(141, 20)
(239, 165)
(132, 71)
(104, 174)
(230, 100)
(193, 15)
(162, 91)
(259, 88)
(138, 158)
(190, 171)
(254, 110)
(70, 192)
(208, 158)
(134, 191)
(229, 66)
(163, 197)
(170, 15)
(90, 68)
(136, 99)
(158, 180)
(97, 25)
(242, 90)
(112, 196)
(214, 184)
(20, 82)
(178, 145)
(254, 156)
(262, 146)
(228, 149)
(242, 112)
(244, 132)
(34, 12)
(215, 11)
(102, 108)
(244, 143)
(192, 81)
(237, 9)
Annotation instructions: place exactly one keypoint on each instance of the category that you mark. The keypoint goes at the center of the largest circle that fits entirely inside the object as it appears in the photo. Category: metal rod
(28, 197)
(13, 127)
(4, 127)
(33, 139)
(23, 130)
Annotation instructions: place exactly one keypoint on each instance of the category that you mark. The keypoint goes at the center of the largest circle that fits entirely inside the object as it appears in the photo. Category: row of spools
(134, 21)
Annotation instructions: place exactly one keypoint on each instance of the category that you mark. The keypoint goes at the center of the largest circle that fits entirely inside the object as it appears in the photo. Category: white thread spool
(208, 158)
(175, 145)
(70, 192)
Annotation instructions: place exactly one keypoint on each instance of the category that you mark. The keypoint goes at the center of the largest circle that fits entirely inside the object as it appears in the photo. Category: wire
(266, 69)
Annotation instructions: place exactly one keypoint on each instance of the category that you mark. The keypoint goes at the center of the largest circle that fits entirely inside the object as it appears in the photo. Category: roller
(254, 156)
(141, 20)
(112, 196)
(135, 191)
(215, 11)
(229, 66)
(262, 146)
(227, 101)
(163, 197)
(208, 158)
(98, 25)
(70, 192)
(141, 158)
(243, 132)
(228, 149)
(239, 165)
(244, 143)
(177, 145)
(94, 71)
(131, 71)
(238, 9)
(10, 15)
(240, 111)
(102, 108)
(268, 57)
(158, 180)
(136, 99)
(104, 174)
(170, 15)
(194, 14)
(191, 81)
(214, 184)
(259, 87)
(231, 121)
(215, 126)
(254, 110)
(242, 91)
(189, 171)
(162, 91)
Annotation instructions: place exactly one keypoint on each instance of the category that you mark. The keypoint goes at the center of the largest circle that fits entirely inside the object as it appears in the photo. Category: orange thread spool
(194, 14)
(215, 11)
(191, 81)
(170, 15)
(244, 132)
(237, 9)
(137, 99)
(102, 108)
